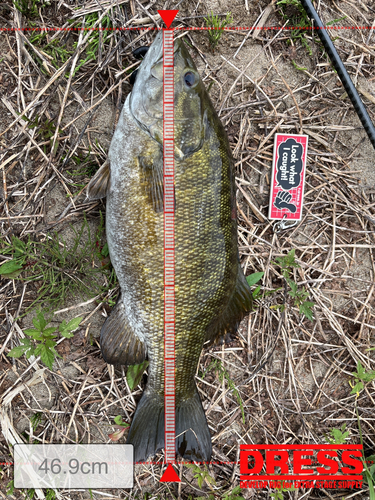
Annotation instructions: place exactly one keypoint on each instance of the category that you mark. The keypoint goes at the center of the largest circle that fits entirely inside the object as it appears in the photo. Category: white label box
(73, 466)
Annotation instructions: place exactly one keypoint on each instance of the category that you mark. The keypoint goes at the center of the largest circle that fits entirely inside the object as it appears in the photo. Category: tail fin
(147, 429)
(194, 439)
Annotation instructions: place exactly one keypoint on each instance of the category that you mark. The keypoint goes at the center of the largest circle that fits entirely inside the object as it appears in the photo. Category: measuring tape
(169, 248)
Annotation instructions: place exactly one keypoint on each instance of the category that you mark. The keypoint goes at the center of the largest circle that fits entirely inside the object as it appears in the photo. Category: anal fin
(118, 342)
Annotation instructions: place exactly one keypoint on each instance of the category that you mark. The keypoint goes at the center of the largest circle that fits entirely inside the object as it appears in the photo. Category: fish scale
(211, 293)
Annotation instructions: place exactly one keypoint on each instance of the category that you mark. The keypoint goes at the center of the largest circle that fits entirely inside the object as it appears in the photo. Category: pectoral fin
(119, 344)
(99, 184)
(152, 179)
(238, 306)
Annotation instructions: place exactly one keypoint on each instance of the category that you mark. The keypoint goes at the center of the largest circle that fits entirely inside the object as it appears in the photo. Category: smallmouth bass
(212, 294)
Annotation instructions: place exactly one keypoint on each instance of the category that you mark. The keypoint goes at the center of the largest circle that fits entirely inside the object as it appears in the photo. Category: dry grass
(303, 390)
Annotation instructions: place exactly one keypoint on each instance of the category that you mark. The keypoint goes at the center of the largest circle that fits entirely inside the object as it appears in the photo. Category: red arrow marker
(170, 476)
(168, 16)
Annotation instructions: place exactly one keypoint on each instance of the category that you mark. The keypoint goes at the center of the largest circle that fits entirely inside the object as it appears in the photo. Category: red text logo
(307, 464)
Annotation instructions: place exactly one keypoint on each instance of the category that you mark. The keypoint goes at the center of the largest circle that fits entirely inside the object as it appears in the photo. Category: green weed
(50, 494)
(42, 340)
(287, 263)
(360, 378)
(222, 373)
(252, 279)
(338, 436)
(299, 297)
(133, 377)
(45, 129)
(201, 474)
(368, 472)
(36, 420)
(218, 24)
(57, 269)
(94, 39)
(55, 49)
(10, 488)
(59, 52)
(293, 12)
(299, 68)
(86, 168)
(29, 8)
(278, 493)
(232, 495)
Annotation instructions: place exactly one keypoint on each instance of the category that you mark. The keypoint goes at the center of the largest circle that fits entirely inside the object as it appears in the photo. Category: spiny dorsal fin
(238, 306)
(99, 184)
(118, 342)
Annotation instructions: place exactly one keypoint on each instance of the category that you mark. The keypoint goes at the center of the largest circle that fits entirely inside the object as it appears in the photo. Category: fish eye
(189, 79)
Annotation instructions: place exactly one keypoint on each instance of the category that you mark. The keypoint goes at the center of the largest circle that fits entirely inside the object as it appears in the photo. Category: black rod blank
(341, 71)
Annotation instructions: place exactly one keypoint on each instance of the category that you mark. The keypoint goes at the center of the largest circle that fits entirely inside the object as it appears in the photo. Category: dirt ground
(55, 130)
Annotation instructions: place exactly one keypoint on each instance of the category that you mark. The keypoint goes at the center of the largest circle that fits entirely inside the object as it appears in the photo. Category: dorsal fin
(99, 184)
(238, 306)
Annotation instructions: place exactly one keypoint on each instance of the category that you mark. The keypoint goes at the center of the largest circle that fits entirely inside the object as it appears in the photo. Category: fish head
(146, 100)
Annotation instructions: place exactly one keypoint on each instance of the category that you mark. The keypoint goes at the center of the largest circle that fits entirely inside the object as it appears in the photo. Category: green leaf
(234, 494)
(30, 353)
(134, 374)
(360, 370)
(66, 329)
(254, 278)
(357, 388)
(18, 351)
(306, 309)
(48, 331)
(199, 480)
(46, 355)
(50, 343)
(73, 324)
(362, 374)
(105, 250)
(118, 420)
(35, 334)
(19, 245)
(293, 287)
(338, 435)
(39, 322)
(10, 267)
(10, 487)
(256, 293)
(368, 376)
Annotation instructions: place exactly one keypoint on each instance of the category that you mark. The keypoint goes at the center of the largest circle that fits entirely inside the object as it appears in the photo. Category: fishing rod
(341, 71)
